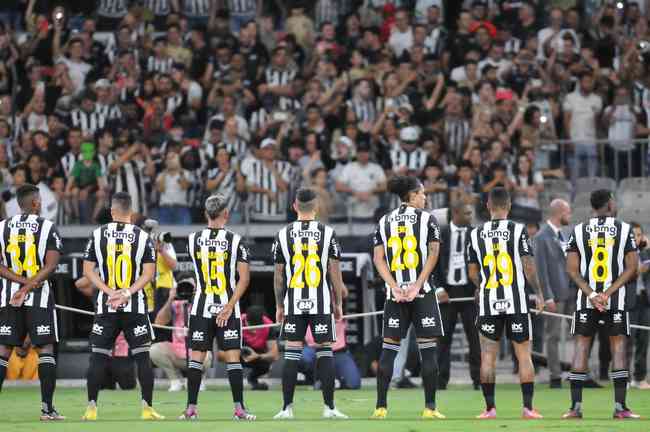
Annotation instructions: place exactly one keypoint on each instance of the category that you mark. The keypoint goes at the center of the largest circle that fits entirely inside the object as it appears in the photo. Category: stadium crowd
(173, 100)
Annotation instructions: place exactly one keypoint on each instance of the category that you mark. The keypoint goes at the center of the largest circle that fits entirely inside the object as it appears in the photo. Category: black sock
(429, 354)
(236, 379)
(4, 362)
(325, 371)
(289, 374)
(385, 372)
(145, 373)
(527, 391)
(194, 375)
(96, 370)
(488, 394)
(47, 377)
(576, 379)
(620, 378)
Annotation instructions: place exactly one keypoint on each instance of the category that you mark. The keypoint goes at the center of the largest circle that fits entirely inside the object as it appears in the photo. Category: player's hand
(279, 314)
(251, 357)
(18, 298)
(443, 296)
(539, 303)
(604, 299)
(412, 291)
(224, 315)
(398, 294)
(338, 312)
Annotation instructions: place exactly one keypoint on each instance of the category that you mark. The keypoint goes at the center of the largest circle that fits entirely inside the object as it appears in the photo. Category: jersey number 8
(213, 270)
(410, 258)
(117, 275)
(600, 270)
(29, 265)
(501, 263)
(305, 270)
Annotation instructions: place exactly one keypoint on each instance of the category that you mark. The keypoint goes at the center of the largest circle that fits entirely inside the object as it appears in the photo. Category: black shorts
(204, 330)
(17, 322)
(136, 327)
(322, 327)
(423, 312)
(586, 322)
(517, 327)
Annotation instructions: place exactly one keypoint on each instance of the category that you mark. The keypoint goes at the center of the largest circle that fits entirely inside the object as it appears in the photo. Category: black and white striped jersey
(258, 174)
(364, 109)
(227, 187)
(237, 147)
(68, 161)
(158, 7)
(88, 122)
(196, 8)
(120, 251)
(457, 132)
(105, 162)
(413, 161)
(602, 243)
(130, 178)
(157, 64)
(109, 111)
(215, 254)
(281, 77)
(497, 247)
(305, 248)
(242, 7)
(113, 8)
(405, 234)
(24, 242)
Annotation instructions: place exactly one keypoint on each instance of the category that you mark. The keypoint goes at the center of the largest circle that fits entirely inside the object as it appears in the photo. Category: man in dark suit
(453, 282)
(640, 311)
(549, 246)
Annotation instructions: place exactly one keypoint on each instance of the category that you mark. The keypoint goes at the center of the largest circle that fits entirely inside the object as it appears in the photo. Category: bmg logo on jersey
(197, 336)
(230, 334)
(517, 327)
(488, 328)
(129, 237)
(32, 226)
(500, 234)
(321, 329)
(428, 322)
(98, 330)
(289, 328)
(304, 305)
(140, 330)
(393, 322)
(5, 330)
(610, 230)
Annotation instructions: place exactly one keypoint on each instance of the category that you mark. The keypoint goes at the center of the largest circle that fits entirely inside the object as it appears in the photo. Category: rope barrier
(345, 317)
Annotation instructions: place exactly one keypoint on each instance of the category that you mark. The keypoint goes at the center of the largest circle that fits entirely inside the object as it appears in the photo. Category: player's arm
(7, 273)
(379, 258)
(530, 272)
(164, 315)
(243, 272)
(93, 277)
(473, 274)
(51, 261)
(334, 269)
(573, 269)
(278, 290)
(631, 267)
(473, 268)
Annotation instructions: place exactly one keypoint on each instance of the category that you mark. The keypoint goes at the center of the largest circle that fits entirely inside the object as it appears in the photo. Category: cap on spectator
(408, 107)
(102, 83)
(409, 134)
(267, 142)
(491, 29)
(345, 140)
(504, 94)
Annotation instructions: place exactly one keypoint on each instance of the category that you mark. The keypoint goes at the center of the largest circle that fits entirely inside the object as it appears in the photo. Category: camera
(644, 51)
(151, 226)
(185, 289)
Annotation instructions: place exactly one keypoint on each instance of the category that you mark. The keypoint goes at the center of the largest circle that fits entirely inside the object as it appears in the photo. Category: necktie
(459, 250)
(560, 236)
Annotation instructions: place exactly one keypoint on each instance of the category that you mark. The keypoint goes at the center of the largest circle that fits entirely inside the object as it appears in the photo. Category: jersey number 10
(120, 270)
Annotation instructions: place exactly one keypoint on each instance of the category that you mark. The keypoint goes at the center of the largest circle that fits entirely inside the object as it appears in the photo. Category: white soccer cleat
(175, 386)
(202, 386)
(333, 413)
(285, 414)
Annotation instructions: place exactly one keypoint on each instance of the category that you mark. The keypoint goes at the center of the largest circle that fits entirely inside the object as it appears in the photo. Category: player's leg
(619, 331)
(201, 335)
(5, 352)
(293, 331)
(395, 327)
(468, 317)
(519, 331)
(449, 319)
(428, 327)
(584, 327)
(12, 333)
(102, 338)
(324, 332)
(490, 330)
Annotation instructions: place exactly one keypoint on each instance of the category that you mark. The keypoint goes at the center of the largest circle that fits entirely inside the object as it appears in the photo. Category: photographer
(172, 356)
(640, 311)
(260, 348)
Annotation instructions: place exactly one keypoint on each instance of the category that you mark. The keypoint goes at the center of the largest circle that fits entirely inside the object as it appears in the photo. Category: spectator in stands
(363, 181)
(172, 184)
(527, 184)
(86, 186)
(172, 356)
(260, 346)
(640, 313)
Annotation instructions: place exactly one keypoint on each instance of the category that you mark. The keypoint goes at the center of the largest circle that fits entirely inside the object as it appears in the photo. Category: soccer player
(407, 243)
(126, 259)
(308, 255)
(31, 248)
(601, 259)
(222, 275)
(501, 263)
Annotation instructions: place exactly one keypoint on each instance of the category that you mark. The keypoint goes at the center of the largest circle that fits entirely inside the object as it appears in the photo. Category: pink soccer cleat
(488, 414)
(625, 414)
(531, 414)
(572, 414)
(242, 414)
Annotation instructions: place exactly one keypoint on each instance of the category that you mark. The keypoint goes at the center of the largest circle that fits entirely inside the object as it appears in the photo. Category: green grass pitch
(119, 411)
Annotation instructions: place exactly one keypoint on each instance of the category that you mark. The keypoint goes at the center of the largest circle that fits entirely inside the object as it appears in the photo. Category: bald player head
(560, 212)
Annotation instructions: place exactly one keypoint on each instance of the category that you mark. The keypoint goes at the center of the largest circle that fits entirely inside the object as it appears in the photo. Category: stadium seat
(582, 199)
(640, 214)
(634, 184)
(632, 198)
(581, 214)
(558, 186)
(590, 184)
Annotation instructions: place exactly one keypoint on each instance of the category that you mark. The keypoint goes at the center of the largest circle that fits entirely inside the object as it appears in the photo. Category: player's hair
(600, 198)
(122, 201)
(499, 198)
(306, 200)
(215, 205)
(635, 224)
(403, 186)
(25, 194)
